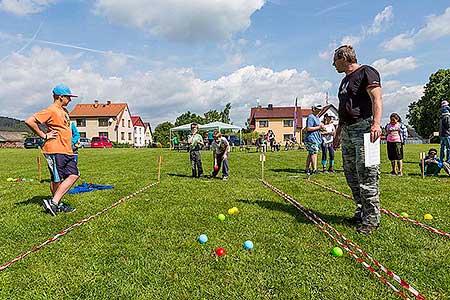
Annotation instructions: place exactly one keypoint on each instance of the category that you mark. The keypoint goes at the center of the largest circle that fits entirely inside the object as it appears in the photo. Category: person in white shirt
(221, 151)
(327, 133)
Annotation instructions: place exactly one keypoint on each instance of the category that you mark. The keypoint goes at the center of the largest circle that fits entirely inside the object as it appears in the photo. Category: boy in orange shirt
(57, 147)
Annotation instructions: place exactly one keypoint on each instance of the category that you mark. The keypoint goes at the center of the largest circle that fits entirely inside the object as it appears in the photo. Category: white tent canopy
(185, 127)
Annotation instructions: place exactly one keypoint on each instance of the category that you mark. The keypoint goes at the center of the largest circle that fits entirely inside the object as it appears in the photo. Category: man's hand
(337, 138)
(225, 156)
(51, 135)
(375, 132)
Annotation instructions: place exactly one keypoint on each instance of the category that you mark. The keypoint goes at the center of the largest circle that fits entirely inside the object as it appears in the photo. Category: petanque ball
(221, 217)
(405, 215)
(10, 179)
(428, 217)
(220, 251)
(203, 238)
(336, 251)
(216, 168)
(248, 245)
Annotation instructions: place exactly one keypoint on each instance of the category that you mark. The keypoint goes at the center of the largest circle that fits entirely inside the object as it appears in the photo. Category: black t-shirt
(354, 101)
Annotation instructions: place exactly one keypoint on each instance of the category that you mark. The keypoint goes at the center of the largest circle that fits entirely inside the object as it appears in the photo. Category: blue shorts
(313, 148)
(61, 166)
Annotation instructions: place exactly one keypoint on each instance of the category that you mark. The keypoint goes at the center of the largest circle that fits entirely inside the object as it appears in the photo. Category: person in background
(396, 135)
(327, 133)
(313, 139)
(432, 163)
(75, 141)
(195, 141)
(210, 138)
(444, 132)
(221, 152)
(271, 140)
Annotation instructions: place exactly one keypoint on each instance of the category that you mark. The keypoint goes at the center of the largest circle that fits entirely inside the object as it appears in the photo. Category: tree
(424, 114)
(187, 118)
(212, 116)
(162, 133)
(225, 114)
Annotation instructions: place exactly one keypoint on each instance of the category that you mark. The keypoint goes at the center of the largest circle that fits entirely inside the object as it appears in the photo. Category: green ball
(221, 217)
(405, 215)
(336, 251)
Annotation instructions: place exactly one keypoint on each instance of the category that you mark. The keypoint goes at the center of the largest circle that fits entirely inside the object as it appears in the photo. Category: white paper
(371, 151)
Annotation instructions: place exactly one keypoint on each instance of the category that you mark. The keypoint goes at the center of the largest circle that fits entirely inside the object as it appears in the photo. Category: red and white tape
(323, 225)
(79, 223)
(385, 211)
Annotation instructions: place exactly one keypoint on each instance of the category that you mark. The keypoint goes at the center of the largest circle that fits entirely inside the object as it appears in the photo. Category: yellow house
(281, 120)
(112, 120)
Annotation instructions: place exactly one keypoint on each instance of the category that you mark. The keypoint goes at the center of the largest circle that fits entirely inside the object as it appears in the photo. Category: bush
(120, 145)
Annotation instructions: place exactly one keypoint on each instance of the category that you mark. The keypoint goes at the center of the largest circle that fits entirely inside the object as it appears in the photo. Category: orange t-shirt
(56, 118)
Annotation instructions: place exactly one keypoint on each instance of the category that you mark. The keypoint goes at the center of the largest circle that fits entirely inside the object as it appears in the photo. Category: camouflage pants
(363, 181)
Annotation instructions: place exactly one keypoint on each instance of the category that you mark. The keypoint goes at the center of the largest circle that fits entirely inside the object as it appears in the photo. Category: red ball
(216, 168)
(220, 252)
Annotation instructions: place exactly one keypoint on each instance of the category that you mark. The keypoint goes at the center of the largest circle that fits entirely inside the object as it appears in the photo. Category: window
(103, 134)
(103, 122)
(288, 123)
(122, 135)
(129, 136)
(135, 140)
(123, 123)
(264, 123)
(287, 136)
(135, 129)
(129, 124)
(82, 134)
(81, 122)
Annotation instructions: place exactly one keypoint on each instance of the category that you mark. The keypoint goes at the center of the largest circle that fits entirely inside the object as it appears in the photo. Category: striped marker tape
(385, 211)
(79, 223)
(323, 225)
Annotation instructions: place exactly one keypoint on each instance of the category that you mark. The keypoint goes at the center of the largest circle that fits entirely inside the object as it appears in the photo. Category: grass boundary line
(77, 224)
(322, 224)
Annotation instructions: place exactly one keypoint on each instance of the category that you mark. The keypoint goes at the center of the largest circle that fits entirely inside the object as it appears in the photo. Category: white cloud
(380, 22)
(181, 20)
(393, 67)
(156, 95)
(397, 97)
(115, 62)
(25, 7)
(436, 27)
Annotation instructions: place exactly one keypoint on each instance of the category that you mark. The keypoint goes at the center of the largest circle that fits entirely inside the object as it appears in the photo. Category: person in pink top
(395, 140)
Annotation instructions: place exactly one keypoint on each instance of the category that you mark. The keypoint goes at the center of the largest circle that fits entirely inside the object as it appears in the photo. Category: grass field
(146, 248)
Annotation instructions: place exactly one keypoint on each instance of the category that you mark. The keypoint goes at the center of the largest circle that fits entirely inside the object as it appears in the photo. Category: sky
(165, 57)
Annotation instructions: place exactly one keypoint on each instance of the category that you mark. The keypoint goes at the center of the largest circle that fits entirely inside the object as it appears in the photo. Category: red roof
(98, 110)
(137, 121)
(282, 112)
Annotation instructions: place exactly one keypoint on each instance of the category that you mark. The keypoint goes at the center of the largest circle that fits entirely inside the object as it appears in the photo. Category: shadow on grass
(180, 175)
(300, 217)
(35, 200)
(299, 171)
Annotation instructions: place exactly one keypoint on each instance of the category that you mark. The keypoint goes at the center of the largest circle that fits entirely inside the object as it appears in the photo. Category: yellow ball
(235, 209)
(428, 217)
(230, 211)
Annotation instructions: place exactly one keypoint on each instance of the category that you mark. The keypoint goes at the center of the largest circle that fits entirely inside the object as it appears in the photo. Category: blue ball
(248, 245)
(202, 238)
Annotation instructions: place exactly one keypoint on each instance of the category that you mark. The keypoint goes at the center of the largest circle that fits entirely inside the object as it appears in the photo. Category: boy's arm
(33, 124)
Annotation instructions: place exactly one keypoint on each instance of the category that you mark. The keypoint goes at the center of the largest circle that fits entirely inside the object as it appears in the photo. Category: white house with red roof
(138, 131)
(148, 135)
(112, 120)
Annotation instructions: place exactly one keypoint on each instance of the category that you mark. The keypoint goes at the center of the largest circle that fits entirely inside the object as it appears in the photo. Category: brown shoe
(367, 229)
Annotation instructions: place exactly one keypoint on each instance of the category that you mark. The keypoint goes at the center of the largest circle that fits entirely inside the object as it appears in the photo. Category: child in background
(327, 133)
(195, 141)
(221, 151)
(395, 135)
(75, 141)
(432, 163)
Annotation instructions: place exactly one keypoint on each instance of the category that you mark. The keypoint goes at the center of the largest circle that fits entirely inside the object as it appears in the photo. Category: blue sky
(165, 57)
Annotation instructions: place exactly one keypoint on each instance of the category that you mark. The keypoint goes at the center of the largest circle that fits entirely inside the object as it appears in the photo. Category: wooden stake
(422, 160)
(262, 159)
(39, 168)
(159, 168)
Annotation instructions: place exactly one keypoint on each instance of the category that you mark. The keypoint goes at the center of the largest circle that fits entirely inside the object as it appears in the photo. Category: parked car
(101, 142)
(33, 142)
(234, 140)
(85, 143)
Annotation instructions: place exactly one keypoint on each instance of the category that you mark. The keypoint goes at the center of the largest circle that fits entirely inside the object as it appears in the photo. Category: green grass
(146, 248)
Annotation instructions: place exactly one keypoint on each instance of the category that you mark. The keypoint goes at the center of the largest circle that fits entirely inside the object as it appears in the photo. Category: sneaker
(65, 208)
(393, 173)
(315, 172)
(225, 178)
(367, 229)
(400, 174)
(50, 207)
(331, 170)
(353, 221)
(324, 170)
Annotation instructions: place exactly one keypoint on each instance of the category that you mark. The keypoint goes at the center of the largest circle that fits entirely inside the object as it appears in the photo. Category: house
(12, 139)
(281, 120)
(112, 120)
(138, 131)
(148, 136)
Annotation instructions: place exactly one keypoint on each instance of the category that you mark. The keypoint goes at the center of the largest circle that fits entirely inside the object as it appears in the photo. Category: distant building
(148, 135)
(281, 120)
(112, 120)
(12, 139)
(138, 131)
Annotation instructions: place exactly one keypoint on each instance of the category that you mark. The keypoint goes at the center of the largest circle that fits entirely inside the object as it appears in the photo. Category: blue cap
(62, 90)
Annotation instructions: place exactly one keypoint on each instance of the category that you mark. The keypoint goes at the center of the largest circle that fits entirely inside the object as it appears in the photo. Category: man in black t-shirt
(360, 108)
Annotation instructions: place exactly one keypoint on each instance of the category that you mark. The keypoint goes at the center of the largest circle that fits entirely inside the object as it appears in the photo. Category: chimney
(108, 102)
(95, 103)
(270, 107)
